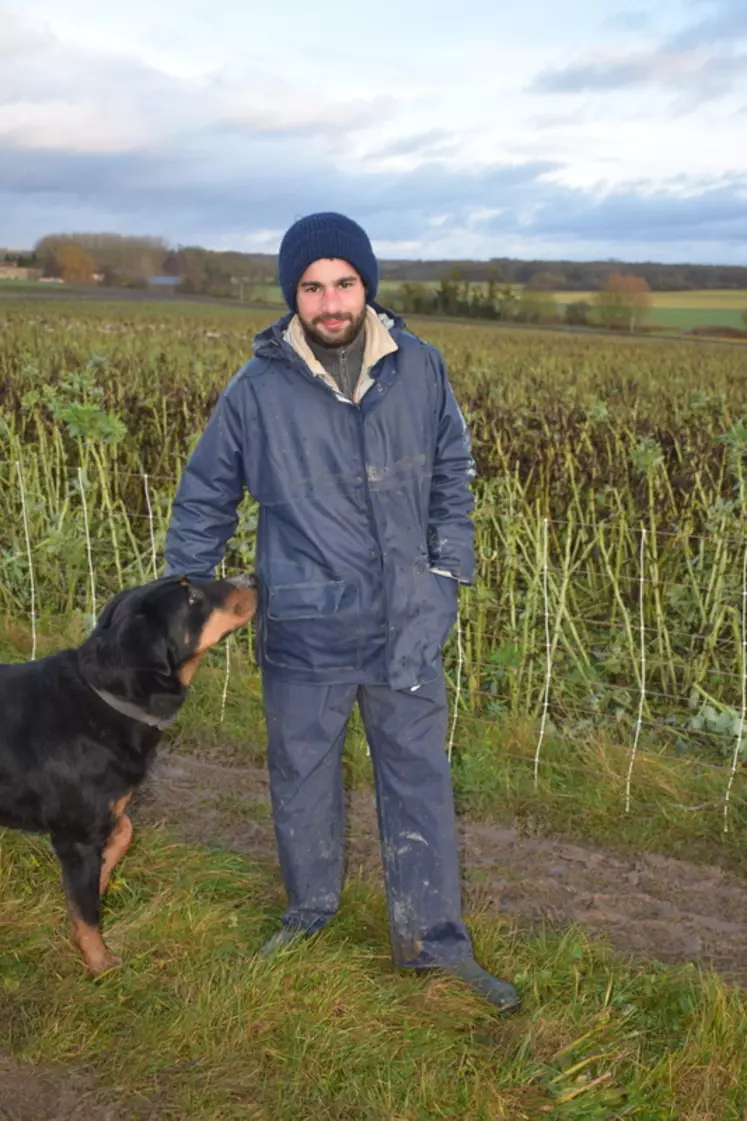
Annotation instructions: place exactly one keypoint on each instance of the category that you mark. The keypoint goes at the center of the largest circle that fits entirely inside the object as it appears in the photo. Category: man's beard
(315, 330)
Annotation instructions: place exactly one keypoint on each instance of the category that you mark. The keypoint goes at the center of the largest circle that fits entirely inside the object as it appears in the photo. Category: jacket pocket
(305, 601)
(313, 626)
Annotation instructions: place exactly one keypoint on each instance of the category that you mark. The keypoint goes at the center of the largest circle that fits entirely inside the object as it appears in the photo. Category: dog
(79, 729)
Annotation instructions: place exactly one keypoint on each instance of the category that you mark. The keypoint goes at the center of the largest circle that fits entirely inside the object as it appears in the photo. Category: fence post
(548, 650)
(27, 535)
(642, 702)
(154, 556)
(91, 577)
(743, 713)
(458, 690)
(224, 694)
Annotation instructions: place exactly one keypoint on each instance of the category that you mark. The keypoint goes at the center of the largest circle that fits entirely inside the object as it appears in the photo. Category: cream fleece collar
(379, 343)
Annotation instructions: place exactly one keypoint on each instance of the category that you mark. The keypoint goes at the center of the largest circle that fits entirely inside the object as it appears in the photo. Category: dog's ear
(129, 654)
(107, 616)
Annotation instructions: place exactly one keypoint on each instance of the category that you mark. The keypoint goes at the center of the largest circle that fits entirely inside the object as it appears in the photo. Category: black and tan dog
(78, 729)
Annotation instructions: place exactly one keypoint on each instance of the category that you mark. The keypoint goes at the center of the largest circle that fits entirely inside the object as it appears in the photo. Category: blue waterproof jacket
(357, 504)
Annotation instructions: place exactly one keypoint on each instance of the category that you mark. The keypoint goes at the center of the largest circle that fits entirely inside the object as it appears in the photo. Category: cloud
(79, 126)
(56, 93)
(248, 189)
(270, 106)
(705, 213)
(17, 37)
(696, 73)
(430, 211)
(684, 63)
(435, 142)
(726, 24)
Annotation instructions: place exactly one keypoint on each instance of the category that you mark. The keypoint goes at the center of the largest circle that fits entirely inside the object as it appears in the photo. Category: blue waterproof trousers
(406, 732)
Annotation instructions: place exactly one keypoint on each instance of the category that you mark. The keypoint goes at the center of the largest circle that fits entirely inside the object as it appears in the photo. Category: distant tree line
(130, 261)
(622, 303)
(570, 276)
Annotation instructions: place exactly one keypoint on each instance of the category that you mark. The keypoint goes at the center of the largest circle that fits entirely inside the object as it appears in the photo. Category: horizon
(174, 247)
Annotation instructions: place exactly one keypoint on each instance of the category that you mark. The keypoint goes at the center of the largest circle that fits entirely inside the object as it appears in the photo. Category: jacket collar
(378, 344)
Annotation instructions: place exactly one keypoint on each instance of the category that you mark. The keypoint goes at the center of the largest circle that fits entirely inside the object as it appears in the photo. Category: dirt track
(649, 905)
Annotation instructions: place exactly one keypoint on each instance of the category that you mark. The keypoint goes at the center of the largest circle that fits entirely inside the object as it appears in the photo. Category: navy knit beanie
(325, 235)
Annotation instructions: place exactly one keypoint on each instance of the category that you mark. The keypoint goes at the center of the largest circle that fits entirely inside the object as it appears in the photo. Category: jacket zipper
(300, 365)
(377, 535)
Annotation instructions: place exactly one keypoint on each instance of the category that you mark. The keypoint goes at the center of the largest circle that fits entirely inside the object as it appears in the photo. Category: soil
(34, 1093)
(650, 906)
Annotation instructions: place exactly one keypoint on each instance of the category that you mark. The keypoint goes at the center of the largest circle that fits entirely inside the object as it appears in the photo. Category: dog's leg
(118, 842)
(81, 871)
(117, 845)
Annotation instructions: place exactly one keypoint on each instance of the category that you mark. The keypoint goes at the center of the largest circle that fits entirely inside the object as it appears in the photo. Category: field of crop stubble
(607, 618)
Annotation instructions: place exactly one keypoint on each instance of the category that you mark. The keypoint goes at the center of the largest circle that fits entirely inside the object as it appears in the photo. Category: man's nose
(331, 301)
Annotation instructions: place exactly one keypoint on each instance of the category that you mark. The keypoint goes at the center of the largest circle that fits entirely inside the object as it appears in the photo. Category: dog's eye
(192, 598)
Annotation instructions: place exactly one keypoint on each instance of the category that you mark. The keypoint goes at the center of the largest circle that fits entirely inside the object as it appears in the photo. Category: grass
(686, 318)
(681, 311)
(195, 1025)
(7, 284)
(701, 299)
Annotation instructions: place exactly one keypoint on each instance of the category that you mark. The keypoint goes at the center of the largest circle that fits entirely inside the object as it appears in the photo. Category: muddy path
(648, 905)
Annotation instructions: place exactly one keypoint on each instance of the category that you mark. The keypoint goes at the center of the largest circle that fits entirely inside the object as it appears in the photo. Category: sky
(481, 129)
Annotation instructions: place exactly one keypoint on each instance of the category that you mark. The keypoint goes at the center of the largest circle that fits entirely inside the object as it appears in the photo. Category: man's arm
(451, 533)
(204, 513)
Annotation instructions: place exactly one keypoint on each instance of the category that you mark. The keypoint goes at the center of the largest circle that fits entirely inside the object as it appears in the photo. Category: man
(344, 428)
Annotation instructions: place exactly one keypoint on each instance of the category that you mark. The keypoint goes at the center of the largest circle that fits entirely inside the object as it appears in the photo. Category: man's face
(331, 302)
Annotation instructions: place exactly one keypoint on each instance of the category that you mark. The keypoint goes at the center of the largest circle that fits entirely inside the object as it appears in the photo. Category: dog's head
(150, 639)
